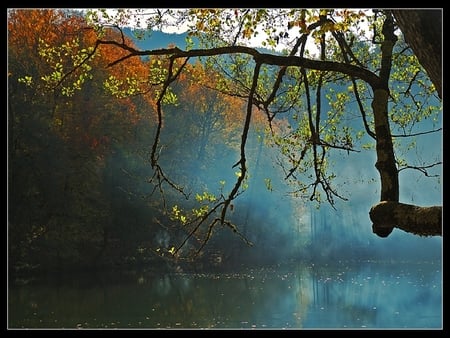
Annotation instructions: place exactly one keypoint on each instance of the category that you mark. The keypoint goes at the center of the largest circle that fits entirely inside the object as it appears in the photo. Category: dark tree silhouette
(422, 30)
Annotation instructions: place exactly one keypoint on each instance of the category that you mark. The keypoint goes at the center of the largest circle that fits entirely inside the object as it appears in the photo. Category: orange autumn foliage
(82, 118)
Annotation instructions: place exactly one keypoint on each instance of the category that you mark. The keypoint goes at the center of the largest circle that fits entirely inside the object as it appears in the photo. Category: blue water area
(365, 294)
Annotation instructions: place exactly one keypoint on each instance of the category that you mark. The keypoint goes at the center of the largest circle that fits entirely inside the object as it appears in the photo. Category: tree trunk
(422, 30)
(423, 221)
(385, 150)
(389, 213)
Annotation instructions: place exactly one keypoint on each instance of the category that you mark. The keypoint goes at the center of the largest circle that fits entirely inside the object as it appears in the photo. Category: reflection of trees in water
(328, 297)
(364, 294)
(229, 300)
(371, 294)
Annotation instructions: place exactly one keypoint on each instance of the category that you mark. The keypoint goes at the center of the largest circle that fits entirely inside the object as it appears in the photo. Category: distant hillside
(157, 40)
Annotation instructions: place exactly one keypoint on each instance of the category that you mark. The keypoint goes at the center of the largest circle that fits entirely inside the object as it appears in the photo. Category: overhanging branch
(260, 58)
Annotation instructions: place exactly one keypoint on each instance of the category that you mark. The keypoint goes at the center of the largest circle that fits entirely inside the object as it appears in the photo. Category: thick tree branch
(423, 221)
(261, 58)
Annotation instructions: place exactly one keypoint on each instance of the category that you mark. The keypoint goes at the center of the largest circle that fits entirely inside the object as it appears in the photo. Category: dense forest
(84, 193)
(80, 180)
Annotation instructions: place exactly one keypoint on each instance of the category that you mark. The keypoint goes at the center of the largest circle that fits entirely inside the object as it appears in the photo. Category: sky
(255, 41)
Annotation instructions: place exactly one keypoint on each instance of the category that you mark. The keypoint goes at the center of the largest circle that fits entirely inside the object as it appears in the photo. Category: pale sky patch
(256, 41)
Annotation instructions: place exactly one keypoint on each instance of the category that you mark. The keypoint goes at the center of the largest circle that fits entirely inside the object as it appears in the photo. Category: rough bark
(385, 150)
(389, 213)
(422, 30)
(422, 221)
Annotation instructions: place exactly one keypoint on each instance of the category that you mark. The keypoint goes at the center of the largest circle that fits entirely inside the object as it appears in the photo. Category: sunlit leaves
(101, 18)
(93, 18)
(177, 214)
(27, 80)
(204, 201)
(63, 59)
(189, 42)
(170, 98)
(124, 87)
(33, 33)
(208, 19)
(205, 197)
(412, 92)
(158, 71)
(268, 183)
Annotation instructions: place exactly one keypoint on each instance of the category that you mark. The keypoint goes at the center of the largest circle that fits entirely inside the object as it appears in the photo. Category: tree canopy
(319, 82)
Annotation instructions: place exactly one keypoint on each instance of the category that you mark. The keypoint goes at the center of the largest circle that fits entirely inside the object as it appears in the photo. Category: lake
(365, 294)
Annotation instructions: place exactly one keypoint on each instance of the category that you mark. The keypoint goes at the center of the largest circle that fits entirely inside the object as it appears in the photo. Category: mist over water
(100, 234)
(282, 227)
(312, 296)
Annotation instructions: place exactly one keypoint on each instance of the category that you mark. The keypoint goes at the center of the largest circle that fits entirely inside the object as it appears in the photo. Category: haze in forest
(91, 165)
(344, 228)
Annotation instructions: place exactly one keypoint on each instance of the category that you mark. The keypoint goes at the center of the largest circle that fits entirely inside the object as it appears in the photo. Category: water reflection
(363, 295)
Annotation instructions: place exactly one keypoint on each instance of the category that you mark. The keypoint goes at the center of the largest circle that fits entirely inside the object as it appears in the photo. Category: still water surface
(357, 295)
